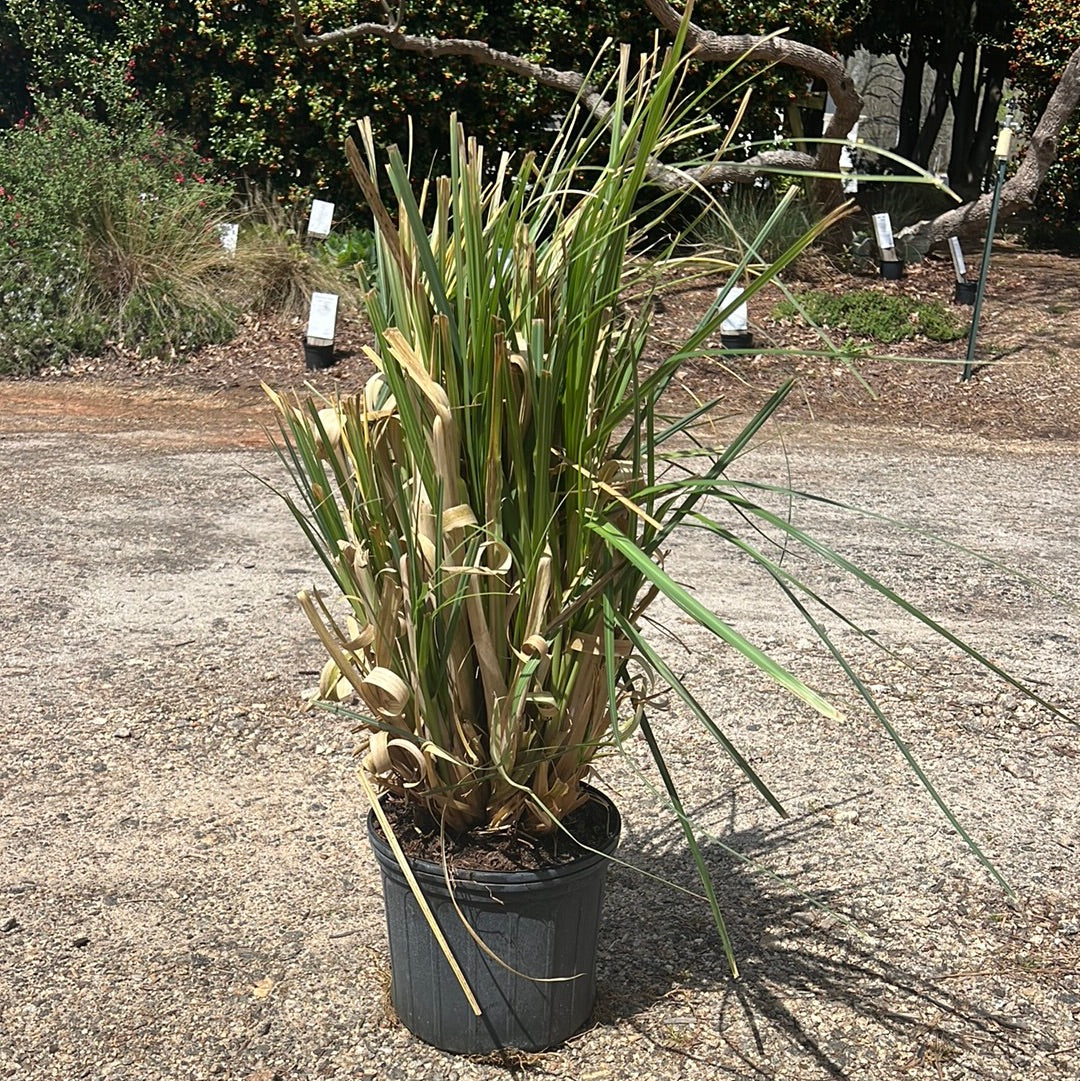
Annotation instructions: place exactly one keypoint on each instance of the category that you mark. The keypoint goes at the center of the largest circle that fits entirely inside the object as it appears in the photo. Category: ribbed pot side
(543, 924)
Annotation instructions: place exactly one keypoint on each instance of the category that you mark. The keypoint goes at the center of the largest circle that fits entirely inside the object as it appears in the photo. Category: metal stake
(1004, 146)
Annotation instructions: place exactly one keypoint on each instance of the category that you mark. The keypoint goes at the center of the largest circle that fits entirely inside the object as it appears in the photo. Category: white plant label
(229, 233)
(957, 258)
(321, 219)
(849, 182)
(322, 316)
(1003, 150)
(883, 231)
(736, 320)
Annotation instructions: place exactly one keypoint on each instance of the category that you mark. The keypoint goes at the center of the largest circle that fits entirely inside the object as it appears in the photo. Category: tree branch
(708, 46)
(728, 47)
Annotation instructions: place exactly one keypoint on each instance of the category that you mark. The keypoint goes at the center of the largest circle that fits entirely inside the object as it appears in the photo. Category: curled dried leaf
(536, 645)
(332, 425)
(385, 692)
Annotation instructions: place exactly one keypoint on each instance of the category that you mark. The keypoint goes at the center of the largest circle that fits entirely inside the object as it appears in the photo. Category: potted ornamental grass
(494, 508)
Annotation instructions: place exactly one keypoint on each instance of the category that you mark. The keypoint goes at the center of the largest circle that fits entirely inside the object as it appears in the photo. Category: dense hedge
(231, 77)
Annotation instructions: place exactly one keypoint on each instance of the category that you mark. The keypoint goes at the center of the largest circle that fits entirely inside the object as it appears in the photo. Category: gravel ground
(185, 891)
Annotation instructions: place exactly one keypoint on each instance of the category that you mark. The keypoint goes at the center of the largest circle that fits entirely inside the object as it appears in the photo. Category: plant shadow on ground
(792, 947)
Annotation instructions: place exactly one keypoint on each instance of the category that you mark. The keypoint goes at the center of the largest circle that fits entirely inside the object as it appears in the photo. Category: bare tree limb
(725, 48)
(571, 82)
(1020, 190)
(708, 46)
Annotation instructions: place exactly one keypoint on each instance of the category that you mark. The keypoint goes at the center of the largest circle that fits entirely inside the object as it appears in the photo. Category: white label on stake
(322, 318)
(1004, 144)
(229, 233)
(957, 258)
(322, 218)
(736, 320)
(883, 230)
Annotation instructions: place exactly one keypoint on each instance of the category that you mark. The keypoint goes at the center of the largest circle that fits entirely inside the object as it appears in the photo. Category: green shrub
(353, 248)
(107, 236)
(47, 313)
(872, 313)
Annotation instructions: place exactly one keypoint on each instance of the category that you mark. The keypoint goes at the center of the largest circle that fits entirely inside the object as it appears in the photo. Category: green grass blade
(691, 842)
(700, 614)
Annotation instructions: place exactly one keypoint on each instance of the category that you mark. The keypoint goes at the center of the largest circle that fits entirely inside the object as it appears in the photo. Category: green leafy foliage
(353, 248)
(78, 55)
(232, 78)
(1045, 38)
(106, 235)
(874, 313)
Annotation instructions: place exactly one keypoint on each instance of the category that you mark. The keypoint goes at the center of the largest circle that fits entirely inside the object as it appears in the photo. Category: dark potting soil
(592, 824)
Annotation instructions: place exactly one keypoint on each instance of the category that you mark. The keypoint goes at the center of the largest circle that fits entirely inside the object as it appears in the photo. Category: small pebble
(1020, 770)
(81, 942)
(10, 924)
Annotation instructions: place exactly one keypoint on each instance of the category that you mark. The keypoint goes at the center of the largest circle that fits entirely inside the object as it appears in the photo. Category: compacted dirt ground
(185, 887)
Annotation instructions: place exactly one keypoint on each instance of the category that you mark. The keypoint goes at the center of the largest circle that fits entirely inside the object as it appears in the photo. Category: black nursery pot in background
(540, 923)
(743, 339)
(317, 356)
(891, 269)
(964, 293)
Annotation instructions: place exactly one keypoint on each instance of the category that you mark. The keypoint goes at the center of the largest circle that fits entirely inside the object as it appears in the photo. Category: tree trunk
(964, 105)
(935, 114)
(995, 68)
(911, 101)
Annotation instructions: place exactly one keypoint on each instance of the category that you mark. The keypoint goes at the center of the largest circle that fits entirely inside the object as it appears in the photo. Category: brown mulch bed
(1025, 384)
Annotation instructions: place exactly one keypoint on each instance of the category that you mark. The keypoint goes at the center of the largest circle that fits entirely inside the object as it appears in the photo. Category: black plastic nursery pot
(891, 269)
(742, 339)
(965, 292)
(543, 924)
(318, 356)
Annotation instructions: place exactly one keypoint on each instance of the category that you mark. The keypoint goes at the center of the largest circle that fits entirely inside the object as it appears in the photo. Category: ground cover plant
(876, 314)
